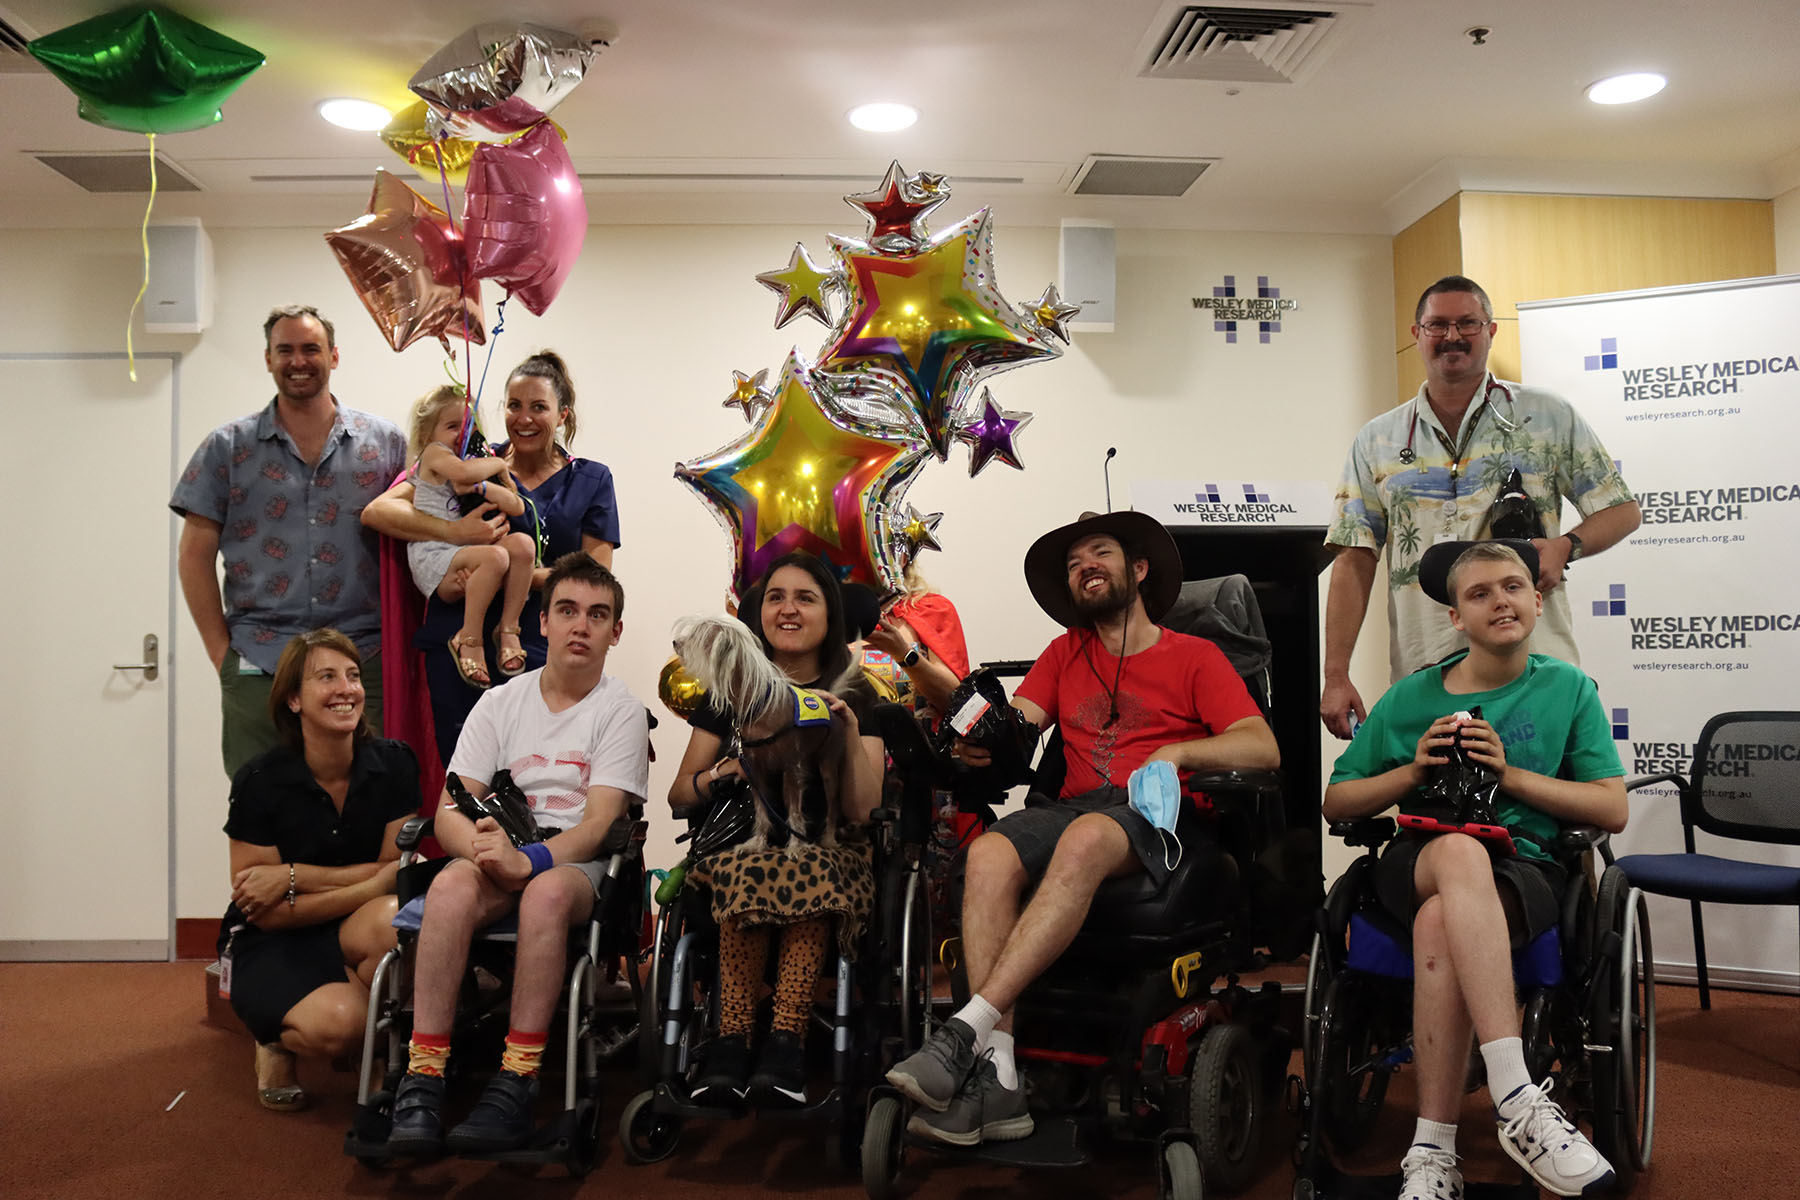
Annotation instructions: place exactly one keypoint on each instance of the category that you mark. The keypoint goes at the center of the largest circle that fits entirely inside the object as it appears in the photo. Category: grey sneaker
(1428, 1173)
(932, 1077)
(1546, 1143)
(982, 1111)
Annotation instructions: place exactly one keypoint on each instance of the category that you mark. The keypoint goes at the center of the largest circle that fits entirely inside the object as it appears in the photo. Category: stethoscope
(1509, 423)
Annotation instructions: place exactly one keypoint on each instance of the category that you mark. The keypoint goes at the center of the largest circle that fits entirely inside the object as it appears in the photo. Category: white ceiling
(1401, 111)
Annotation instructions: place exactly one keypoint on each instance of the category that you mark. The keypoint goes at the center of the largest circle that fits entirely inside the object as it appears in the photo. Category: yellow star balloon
(802, 286)
(930, 324)
(804, 478)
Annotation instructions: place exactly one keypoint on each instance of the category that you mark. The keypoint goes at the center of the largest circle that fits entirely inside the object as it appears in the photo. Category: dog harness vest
(809, 707)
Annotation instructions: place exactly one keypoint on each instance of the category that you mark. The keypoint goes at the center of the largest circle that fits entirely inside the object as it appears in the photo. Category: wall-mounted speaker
(1085, 265)
(180, 296)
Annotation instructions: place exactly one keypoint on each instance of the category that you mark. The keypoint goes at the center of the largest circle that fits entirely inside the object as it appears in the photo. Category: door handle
(148, 666)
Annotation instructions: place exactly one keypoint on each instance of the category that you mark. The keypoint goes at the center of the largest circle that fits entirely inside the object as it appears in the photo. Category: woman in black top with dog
(803, 889)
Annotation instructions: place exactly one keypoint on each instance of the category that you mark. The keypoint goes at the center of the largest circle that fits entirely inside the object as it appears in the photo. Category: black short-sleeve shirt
(276, 802)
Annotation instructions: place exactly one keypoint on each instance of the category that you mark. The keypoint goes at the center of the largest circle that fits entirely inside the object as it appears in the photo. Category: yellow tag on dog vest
(809, 707)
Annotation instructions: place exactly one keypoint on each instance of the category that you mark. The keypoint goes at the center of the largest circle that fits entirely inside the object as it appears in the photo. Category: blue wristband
(539, 854)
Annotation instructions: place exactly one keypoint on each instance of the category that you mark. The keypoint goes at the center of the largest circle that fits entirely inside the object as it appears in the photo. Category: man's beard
(1094, 607)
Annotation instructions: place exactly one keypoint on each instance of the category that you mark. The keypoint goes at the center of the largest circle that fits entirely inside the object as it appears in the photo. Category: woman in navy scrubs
(569, 507)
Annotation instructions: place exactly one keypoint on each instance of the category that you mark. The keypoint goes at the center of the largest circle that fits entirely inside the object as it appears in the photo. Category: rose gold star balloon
(405, 261)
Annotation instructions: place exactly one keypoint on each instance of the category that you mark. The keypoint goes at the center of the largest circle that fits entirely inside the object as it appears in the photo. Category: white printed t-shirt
(602, 741)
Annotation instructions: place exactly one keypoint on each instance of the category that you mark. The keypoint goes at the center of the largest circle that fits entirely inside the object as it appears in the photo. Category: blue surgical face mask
(1155, 792)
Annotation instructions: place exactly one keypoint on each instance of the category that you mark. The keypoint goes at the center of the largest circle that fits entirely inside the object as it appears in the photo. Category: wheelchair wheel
(647, 1135)
(584, 1147)
(1318, 975)
(1226, 1107)
(1181, 1177)
(883, 1152)
(1352, 1071)
(1623, 1017)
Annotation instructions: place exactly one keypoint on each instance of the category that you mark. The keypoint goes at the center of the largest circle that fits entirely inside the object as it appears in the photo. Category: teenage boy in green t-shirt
(1545, 735)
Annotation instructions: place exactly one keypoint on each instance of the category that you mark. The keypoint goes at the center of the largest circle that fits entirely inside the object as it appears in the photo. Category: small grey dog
(787, 735)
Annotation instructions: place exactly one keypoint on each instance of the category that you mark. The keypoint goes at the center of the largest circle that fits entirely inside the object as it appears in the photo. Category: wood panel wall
(1535, 247)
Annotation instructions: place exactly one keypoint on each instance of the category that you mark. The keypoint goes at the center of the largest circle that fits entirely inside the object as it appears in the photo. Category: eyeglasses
(1467, 326)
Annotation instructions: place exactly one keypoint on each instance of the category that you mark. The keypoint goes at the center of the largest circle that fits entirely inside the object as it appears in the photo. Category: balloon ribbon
(143, 236)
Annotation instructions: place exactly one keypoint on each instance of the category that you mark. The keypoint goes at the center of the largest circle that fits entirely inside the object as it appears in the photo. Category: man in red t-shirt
(1125, 693)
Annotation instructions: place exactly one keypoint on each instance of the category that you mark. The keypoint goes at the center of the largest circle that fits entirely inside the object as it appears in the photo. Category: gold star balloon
(748, 393)
(930, 324)
(805, 477)
(1050, 313)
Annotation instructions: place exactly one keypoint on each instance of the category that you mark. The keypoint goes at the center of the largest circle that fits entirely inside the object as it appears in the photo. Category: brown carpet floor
(93, 1054)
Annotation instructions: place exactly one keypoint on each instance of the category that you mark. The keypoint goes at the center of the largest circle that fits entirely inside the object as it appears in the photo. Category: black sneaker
(418, 1129)
(501, 1119)
(780, 1077)
(722, 1080)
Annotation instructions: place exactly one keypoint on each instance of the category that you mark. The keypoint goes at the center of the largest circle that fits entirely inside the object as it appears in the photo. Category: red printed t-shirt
(1180, 689)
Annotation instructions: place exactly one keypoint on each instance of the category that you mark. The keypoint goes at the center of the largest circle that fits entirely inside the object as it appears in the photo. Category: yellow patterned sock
(428, 1053)
(523, 1052)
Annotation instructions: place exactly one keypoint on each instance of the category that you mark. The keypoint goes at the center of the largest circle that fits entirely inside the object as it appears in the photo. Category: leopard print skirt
(770, 887)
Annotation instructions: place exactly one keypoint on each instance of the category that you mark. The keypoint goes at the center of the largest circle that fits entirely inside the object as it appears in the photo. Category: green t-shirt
(1549, 719)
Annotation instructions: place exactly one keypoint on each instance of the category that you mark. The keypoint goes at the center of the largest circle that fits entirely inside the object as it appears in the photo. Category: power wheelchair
(1588, 987)
(1142, 1030)
(597, 1017)
(879, 1002)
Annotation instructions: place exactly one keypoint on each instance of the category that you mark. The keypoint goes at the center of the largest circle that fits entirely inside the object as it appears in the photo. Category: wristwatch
(1574, 547)
(912, 655)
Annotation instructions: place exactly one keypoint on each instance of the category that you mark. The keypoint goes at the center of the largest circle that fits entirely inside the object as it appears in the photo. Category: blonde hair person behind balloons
(569, 506)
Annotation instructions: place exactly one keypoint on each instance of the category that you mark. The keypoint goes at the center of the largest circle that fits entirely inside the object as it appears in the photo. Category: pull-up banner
(1695, 391)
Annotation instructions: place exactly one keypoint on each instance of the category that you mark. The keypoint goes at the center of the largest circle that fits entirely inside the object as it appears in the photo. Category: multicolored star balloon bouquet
(917, 323)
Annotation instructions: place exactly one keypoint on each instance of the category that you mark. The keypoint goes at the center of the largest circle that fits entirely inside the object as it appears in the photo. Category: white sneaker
(1546, 1143)
(1427, 1173)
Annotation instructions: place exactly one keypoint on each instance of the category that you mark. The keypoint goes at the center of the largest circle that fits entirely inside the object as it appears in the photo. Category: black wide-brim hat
(1046, 563)
(1434, 568)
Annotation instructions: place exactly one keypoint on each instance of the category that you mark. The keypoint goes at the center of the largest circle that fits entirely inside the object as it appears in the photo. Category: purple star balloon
(993, 435)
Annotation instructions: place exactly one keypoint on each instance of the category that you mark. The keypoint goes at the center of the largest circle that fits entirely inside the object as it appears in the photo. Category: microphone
(1106, 474)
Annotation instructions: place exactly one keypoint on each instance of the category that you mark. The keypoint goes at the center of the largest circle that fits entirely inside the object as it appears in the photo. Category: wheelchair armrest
(1235, 781)
(907, 744)
(1577, 840)
(1643, 781)
(416, 830)
(1009, 666)
(1365, 831)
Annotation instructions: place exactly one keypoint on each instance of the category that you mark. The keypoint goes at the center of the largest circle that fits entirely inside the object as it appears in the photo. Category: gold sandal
(288, 1098)
(515, 656)
(472, 670)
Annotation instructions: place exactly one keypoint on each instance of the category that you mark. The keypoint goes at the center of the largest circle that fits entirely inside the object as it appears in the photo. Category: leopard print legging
(742, 956)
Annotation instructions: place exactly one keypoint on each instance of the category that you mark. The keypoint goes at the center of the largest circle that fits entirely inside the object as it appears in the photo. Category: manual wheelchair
(879, 1002)
(1588, 987)
(597, 1015)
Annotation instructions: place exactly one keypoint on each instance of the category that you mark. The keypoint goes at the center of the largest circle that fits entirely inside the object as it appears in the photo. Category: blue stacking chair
(1745, 784)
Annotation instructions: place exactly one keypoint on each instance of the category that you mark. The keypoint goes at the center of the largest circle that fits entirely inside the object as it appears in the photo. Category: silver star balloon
(1049, 311)
(749, 393)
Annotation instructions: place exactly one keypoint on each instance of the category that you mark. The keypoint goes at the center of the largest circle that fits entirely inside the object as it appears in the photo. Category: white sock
(1435, 1133)
(1505, 1058)
(980, 1016)
(1000, 1044)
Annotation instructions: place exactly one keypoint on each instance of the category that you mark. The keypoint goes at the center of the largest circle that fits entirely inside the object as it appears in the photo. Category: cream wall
(1787, 232)
(655, 319)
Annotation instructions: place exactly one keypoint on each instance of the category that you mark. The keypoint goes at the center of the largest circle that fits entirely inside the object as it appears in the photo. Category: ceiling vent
(128, 172)
(1125, 175)
(1241, 43)
(14, 58)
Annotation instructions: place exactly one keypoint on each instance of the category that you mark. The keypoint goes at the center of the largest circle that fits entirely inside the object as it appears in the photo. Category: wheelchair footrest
(1056, 1142)
(549, 1144)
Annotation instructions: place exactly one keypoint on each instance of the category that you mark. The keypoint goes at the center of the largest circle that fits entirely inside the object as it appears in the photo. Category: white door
(84, 852)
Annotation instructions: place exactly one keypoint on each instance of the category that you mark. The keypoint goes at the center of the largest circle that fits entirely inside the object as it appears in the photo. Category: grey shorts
(1537, 884)
(1035, 829)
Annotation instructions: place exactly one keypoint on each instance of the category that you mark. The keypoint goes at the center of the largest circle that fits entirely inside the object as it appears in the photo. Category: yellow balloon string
(144, 236)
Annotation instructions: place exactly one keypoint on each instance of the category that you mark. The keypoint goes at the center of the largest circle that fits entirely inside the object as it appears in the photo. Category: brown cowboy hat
(1434, 567)
(1046, 563)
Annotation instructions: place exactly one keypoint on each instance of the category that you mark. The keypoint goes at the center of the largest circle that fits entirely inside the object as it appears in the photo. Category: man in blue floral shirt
(278, 494)
(1430, 470)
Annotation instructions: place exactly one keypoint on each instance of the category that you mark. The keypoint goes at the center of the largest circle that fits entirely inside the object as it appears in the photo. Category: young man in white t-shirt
(576, 742)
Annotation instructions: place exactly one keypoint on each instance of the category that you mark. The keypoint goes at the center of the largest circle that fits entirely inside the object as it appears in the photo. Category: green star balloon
(147, 70)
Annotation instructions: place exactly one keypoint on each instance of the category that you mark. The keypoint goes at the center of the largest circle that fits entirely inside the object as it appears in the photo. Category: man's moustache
(1446, 347)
